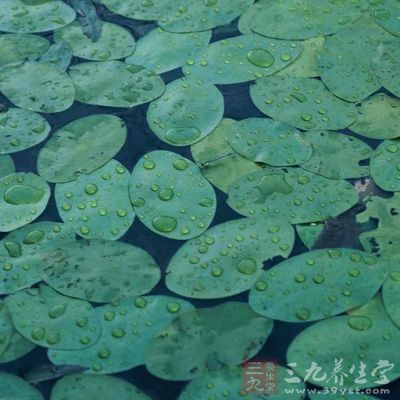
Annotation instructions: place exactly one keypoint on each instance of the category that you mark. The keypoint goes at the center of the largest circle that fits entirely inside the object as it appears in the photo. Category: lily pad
(367, 334)
(241, 58)
(51, 320)
(244, 22)
(99, 270)
(171, 196)
(114, 42)
(378, 117)
(195, 16)
(386, 13)
(305, 19)
(58, 56)
(115, 84)
(17, 348)
(219, 163)
(23, 197)
(6, 327)
(224, 335)
(17, 47)
(309, 233)
(391, 295)
(97, 205)
(336, 155)
(302, 102)
(317, 284)
(21, 129)
(7, 165)
(127, 328)
(13, 387)
(81, 147)
(385, 165)
(228, 258)
(22, 250)
(264, 140)
(163, 51)
(18, 16)
(187, 112)
(291, 194)
(84, 387)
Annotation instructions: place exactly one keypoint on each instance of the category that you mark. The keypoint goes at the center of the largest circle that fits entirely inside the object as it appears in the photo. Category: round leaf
(13, 387)
(7, 165)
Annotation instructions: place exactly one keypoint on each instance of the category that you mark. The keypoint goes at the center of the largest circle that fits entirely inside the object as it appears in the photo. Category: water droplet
(140, 302)
(90, 189)
(104, 353)
(149, 165)
(38, 333)
(360, 323)
(164, 224)
(206, 202)
(247, 266)
(53, 339)
(318, 279)
(33, 237)
(138, 202)
(180, 164)
(173, 307)
(300, 278)
(22, 194)
(261, 286)
(57, 311)
(395, 275)
(183, 135)
(392, 148)
(260, 58)
(166, 194)
(303, 314)
(118, 333)
(217, 271)
(13, 248)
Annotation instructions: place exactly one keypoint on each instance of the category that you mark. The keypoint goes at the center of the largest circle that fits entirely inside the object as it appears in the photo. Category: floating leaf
(18, 16)
(378, 117)
(241, 58)
(102, 270)
(115, 84)
(386, 13)
(291, 194)
(391, 295)
(385, 165)
(228, 258)
(51, 320)
(219, 163)
(23, 197)
(302, 102)
(81, 147)
(21, 129)
(336, 155)
(163, 51)
(17, 47)
(244, 22)
(147, 10)
(6, 327)
(225, 335)
(187, 112)
(58, 55)
(84, 387)
(171, 196)
(13, 387)
(97, 205)
(334, 280)
(284, 19)
(309, 233)
(264, 140)
(21, 253)
(37, 87)
(367, 333)
(17, 348)
(114, 42)
(127, 328)
(7, 166)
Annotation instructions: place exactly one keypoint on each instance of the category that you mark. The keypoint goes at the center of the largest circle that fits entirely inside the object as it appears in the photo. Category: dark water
(139, 141)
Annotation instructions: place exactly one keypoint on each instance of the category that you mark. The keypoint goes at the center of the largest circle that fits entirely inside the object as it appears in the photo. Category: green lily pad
(385, 165)
(97, 205)
(81, 147)
(17, 16)
(244, 22)
(163, 51)
(102, 270)
(241, 58)
(366, 335)
(85, 387)
(170, 195)
(224, 335)
(21, 253)
(302, 102)
(386, 13)
(345, 63)
(6, 327)
(378, 117)
(17, 47)
(21, 129)
(195, 16)
(317, 284)
(219, 163)
(305, 19)
(58, 55)
(52, 320)
(17, 348)
(115, 84)
(114, 42)
(13, 387)
(24, 196)
(228, 383)
(7, 165)
(291, 194)
(264, 140)
(228, 258)
(37, 87)
(127, 328)
(336, 155)
(391, 295)
(187, 112)
(309, 233)
(306, 65)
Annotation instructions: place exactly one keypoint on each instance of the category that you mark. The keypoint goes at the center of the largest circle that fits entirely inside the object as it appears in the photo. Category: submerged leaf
(13, 387)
